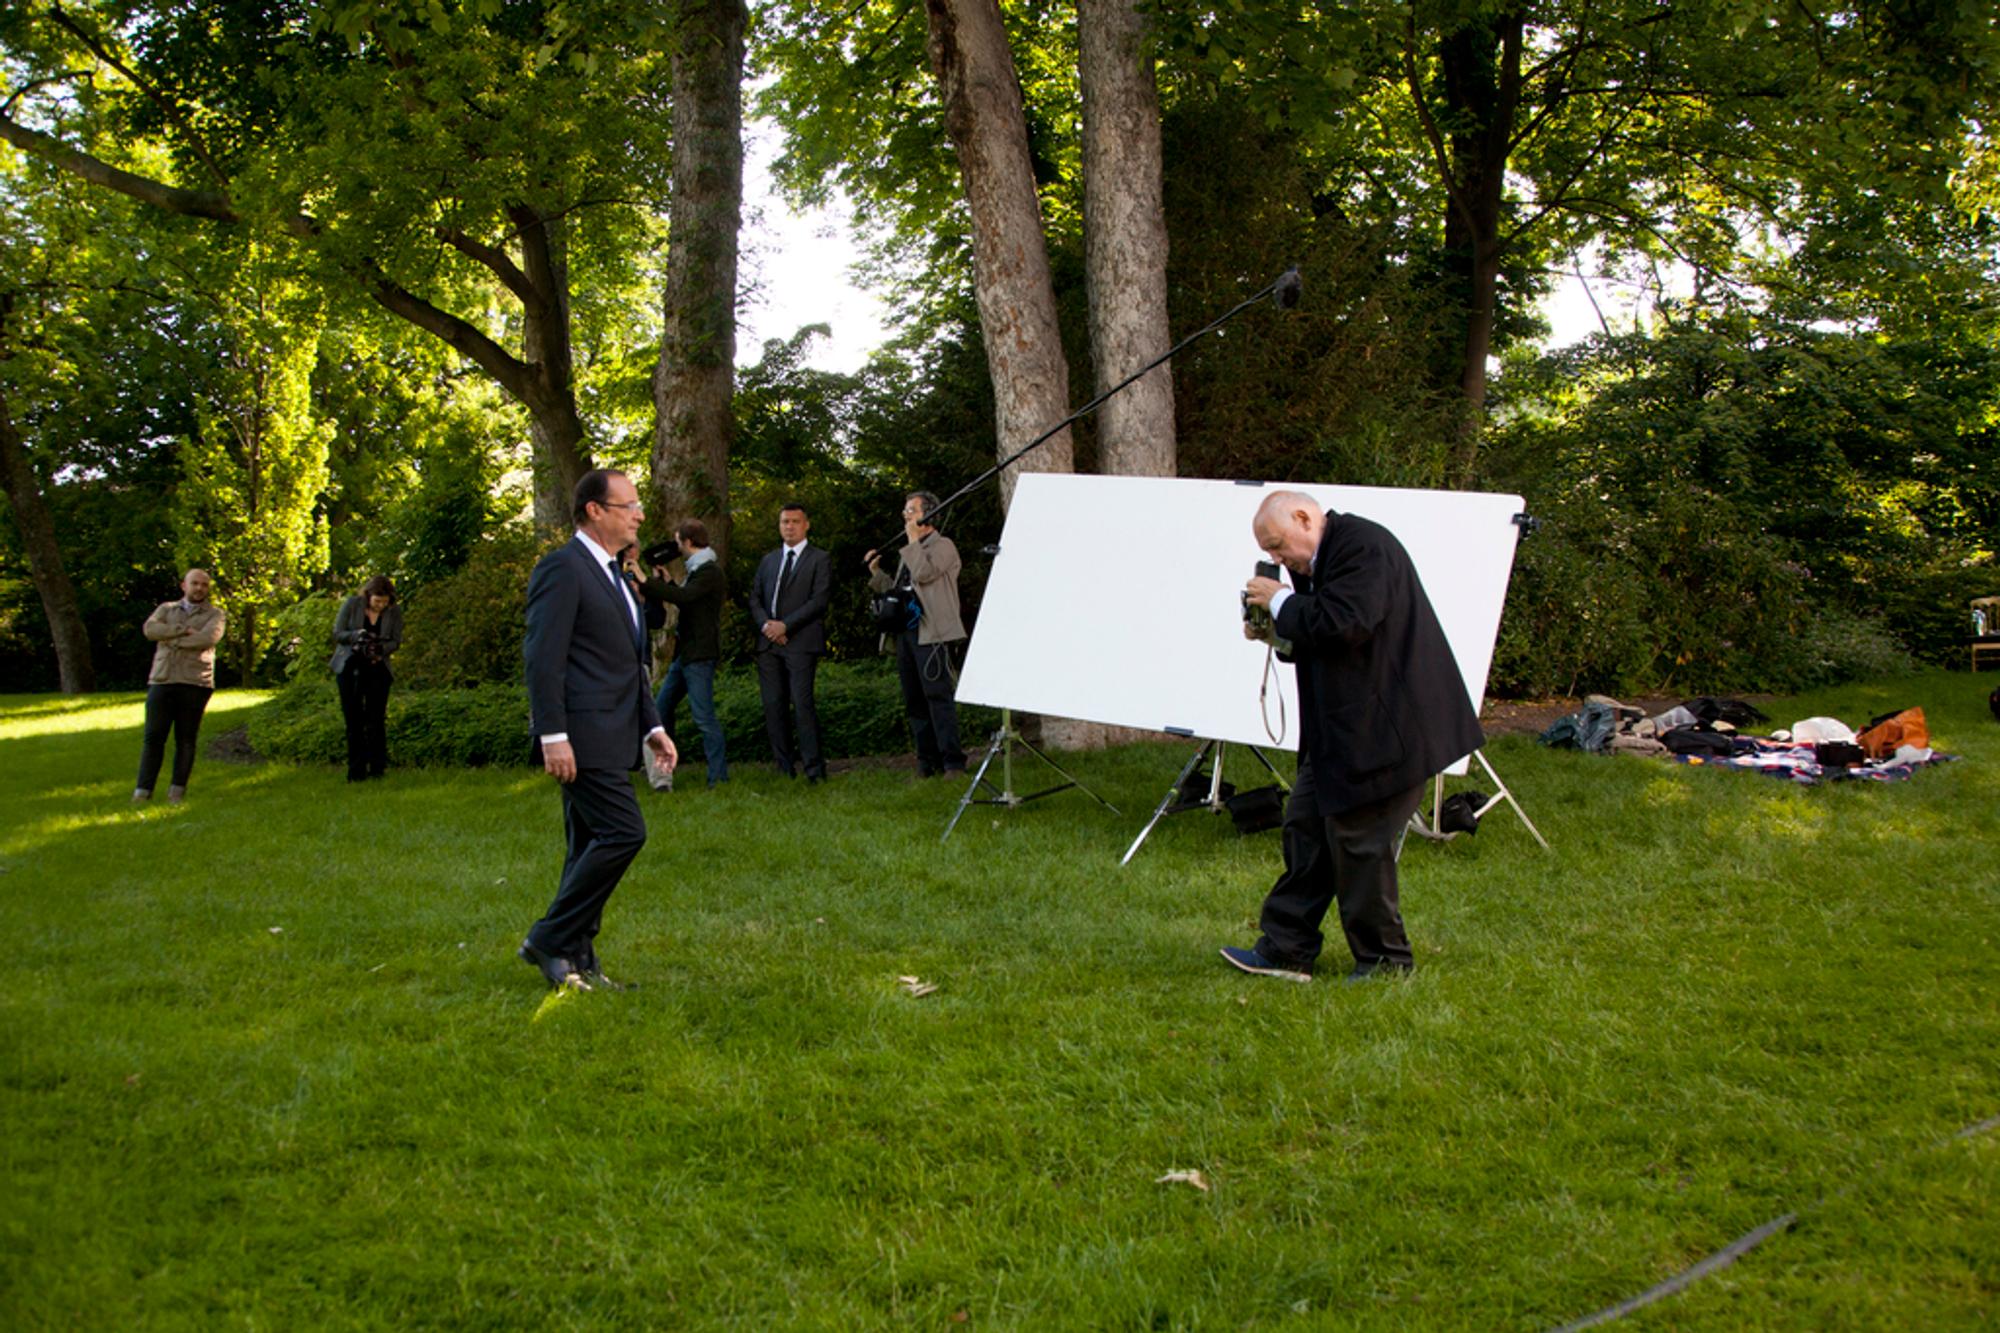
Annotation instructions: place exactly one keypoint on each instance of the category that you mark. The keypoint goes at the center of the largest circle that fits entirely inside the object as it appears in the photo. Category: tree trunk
(45, 563)
(984, 119)
(988, 128)
(555, 429)
(1481, 66)
(694, 420)
(1125, 237)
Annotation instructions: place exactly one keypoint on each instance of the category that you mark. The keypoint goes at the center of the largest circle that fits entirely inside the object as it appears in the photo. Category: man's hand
(662, 746)
(1260, 591)
(774, 630)
(914, 530)
(874, 562)
(559, 760)
(660, 573)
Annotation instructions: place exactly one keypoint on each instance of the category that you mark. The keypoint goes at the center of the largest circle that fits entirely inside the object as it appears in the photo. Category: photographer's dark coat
(1382, 704)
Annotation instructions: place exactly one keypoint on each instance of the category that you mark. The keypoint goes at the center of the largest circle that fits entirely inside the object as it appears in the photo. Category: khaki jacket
(186, 637)
(933, 566)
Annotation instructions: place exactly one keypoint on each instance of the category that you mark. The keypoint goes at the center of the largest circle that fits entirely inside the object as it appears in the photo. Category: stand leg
(1004, 741)
(1508, 796)
(1266, 761)
(1160, 811)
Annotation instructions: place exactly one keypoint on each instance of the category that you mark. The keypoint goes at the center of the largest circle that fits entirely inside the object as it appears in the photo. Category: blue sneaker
(1249, 960)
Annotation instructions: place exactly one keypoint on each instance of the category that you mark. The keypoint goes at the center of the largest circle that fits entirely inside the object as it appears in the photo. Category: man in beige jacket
(924, 649)
(183, 677)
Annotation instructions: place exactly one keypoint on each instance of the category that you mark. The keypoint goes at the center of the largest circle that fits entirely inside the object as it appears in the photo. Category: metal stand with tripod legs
(1433, 831)
(1004, 741)
(1173, 803)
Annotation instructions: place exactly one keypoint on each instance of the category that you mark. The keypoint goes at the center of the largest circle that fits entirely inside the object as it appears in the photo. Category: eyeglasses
(622, 504)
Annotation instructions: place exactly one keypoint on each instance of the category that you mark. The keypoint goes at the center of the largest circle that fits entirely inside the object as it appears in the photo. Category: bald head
(1288, 525)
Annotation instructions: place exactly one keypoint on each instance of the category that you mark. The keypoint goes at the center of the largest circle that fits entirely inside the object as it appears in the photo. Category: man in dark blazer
(1382, 708)
(591, 711)
(788, 605)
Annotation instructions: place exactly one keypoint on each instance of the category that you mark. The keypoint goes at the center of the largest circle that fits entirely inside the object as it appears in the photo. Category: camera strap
(1264, 696)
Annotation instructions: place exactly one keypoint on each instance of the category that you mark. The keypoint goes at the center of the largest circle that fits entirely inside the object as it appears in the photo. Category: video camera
(661, 553)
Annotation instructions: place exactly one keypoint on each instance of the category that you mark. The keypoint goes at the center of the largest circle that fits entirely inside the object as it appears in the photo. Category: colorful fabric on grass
(1798, 763)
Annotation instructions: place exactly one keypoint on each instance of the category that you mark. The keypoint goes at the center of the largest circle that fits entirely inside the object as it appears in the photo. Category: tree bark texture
(694, 421)
(1125, 237)
(988, 128)
(74, 671)
(1481, 68)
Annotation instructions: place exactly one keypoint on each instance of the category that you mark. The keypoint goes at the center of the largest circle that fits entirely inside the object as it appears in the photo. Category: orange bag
(1881, 737)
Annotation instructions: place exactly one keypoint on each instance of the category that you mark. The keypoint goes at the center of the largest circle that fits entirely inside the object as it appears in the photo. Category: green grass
(268, 1060)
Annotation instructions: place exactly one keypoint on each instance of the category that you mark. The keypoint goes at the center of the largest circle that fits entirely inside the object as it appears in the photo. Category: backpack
(1880, 738)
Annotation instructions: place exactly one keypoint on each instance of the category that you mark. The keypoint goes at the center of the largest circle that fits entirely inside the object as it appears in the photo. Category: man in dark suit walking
(788, 605)
(1382, 708)
(591, 711)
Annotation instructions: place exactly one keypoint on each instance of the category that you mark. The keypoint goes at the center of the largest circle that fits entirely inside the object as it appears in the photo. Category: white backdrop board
(1115, 599)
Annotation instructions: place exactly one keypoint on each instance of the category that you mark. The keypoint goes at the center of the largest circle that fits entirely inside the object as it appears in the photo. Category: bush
(465, 629)
(860, 713)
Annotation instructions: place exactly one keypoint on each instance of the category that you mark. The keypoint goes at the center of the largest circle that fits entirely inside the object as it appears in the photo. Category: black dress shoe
(556, 971)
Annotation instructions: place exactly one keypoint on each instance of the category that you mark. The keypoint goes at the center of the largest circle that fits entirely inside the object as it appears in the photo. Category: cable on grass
(1741, 1246)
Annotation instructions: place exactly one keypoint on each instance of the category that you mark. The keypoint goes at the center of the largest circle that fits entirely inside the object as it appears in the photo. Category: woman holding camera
(367, 631)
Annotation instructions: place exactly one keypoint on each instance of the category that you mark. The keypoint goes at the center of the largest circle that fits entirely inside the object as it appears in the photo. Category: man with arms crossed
(179, 686)
(587, 696)
(788, 605)
(1382, 709)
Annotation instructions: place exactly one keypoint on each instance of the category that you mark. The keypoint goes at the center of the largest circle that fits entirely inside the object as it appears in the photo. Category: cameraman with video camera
(1382, 707)
(697, 637)
(919, 606)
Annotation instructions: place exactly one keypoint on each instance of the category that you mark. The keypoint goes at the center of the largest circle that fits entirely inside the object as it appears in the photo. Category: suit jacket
(1382, 704)
(586, 663)
(806, 596)
(347, 627)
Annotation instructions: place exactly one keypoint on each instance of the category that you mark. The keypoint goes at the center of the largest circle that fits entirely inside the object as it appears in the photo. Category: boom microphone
(1287, 288)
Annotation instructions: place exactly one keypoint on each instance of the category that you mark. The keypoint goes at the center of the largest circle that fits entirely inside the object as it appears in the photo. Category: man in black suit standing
(788, 605)
(1382, 708)
(591, 711)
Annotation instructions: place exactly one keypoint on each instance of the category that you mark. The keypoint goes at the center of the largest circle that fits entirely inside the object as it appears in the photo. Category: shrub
(465, 628)
(860, 713)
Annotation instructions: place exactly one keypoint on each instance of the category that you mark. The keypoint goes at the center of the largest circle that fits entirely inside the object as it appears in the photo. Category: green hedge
(860, 713)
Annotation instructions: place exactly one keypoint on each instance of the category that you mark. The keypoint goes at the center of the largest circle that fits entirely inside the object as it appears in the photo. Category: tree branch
(167, 108)
(215, 206)
(1440, 157)
(494, 258)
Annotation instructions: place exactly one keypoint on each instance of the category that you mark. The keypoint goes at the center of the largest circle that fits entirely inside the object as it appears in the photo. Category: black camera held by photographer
(1258, 618)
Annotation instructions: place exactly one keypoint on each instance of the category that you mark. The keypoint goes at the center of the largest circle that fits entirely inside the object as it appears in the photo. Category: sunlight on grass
(1666, 790)
(99, 712)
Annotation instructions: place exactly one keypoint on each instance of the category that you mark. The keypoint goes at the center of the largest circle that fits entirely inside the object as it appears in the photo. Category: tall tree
(38, 535)
(249, 507)
(455, 159)
(1017, 309)
(692, 384)
(1125, 236)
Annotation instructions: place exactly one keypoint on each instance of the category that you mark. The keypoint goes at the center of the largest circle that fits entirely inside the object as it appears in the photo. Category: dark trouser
(1349, 857)
(605, 830)
(930, 684)
(785, 679)
(175, 708)
(696, 680)
(364, 702)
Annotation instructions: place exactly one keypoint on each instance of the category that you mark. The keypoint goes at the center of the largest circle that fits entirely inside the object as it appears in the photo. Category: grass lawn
(268, 1060)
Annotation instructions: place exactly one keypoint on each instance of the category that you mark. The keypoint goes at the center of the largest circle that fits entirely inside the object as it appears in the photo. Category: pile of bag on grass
(1712, 731)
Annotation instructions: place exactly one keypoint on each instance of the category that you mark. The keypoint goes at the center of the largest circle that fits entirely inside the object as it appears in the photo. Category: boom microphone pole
(1284, 290)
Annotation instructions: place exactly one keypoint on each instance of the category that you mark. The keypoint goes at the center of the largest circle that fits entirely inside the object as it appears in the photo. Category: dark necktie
(784, 581)
(618, 586)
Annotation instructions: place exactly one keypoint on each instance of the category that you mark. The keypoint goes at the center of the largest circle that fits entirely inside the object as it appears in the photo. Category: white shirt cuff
(553, 737)
(1278, 599)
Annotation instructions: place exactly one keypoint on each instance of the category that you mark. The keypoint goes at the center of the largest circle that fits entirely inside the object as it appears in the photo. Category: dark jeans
(364, 702)
(785, 679)
(930, 687)
(603, 830)
(1350, 858)
(696, 680)
(175, 708)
